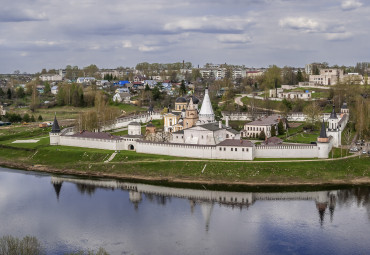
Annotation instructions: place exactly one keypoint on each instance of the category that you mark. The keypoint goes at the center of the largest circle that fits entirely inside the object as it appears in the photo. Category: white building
(2, 111)
(327, 77)
(253, 129)
(122, 97)
(85, 79)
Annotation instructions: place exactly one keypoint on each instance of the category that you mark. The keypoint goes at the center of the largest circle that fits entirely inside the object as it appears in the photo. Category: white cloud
(234, 38)
(338, 36)
(301, 23)
(145, 48)
(208, 24)
(348, 5)
(126, 44)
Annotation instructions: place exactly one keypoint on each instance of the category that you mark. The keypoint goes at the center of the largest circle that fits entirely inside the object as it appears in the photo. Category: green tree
(271, 78)
(9, 93)
(300, 76)
(20, 92)
(156, 93)
(47, 88)
(262, 135)
(26, 118)
(40, 118)
(2, 93)
(29, 245)
(182, 88)
(281, 129)
(33, 119)
(273, 131)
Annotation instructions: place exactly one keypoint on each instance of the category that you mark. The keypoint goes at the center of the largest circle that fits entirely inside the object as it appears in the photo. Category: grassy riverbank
(127, 164)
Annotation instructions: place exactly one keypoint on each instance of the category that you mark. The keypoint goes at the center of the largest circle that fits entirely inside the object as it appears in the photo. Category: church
(202, 128)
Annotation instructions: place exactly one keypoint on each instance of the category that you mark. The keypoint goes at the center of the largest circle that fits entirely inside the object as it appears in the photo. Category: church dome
(180, 100)
(195, 100)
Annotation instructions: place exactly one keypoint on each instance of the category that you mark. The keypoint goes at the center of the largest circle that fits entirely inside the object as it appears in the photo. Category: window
(236, 149)
(242, 149)
(227, 135)
(247, 150)
(220, 149)
(224, 148)
(232, 149)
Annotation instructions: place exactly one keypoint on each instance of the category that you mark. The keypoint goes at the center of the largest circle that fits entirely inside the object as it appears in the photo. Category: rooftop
(267, 121)
(96, 135)
(236, 143)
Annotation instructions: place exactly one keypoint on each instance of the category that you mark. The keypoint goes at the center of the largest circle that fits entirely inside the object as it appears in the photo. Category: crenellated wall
(286, 151)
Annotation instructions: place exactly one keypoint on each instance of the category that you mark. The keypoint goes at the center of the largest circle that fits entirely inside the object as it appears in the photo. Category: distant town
(218, 111)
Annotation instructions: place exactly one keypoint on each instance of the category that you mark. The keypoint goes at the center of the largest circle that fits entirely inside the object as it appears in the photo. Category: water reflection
(68, 214)
(325, 201)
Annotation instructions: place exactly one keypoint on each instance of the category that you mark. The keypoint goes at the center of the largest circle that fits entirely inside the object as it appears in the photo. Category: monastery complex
(195, 133)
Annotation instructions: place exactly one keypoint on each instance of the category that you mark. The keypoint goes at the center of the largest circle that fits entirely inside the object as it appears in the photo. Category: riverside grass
(129, 164)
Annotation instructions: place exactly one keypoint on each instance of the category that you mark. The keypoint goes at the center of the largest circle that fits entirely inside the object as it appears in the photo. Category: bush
(40, 118)
(29, 245)
(26, 118)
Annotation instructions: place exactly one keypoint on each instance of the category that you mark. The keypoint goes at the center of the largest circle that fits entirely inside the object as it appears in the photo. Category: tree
(312, 111)
(40, 118)
(20, 92)
(26, 117)
(33, 119)
(2, 93)
(271, 77)
(182, 88)
(273, 131)
(34, 99)
(281, 129)
(299, 76)
(156, 93)
(29, 245)
(47, 88)
(262, 135)
(9, 93)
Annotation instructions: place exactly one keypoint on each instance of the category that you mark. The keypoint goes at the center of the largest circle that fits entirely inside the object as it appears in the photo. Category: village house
(122, 97)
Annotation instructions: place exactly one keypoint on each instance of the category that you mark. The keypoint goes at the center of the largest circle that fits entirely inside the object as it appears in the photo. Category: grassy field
(129, 164)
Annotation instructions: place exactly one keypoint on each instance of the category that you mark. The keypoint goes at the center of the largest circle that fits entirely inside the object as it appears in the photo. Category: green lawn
(129, 163)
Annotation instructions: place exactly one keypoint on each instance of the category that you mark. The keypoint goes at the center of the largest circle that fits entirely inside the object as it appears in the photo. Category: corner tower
(323, 145)
(55, 132)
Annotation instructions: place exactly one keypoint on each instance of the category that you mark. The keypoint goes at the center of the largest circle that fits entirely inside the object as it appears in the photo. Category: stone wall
(286, 151)
(92, 143)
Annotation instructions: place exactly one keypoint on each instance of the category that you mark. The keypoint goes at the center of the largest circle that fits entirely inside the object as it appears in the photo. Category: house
(85, 79)
(51, 77)
(122, 97)
(253, 129)
(122, 90)
(54, 90)
(150, 83)
(2, 111)
(40, 89)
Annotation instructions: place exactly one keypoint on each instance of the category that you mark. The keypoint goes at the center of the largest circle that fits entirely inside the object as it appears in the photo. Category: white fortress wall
(236, 153)
(92, 143)
(179, 150)
(286, 151)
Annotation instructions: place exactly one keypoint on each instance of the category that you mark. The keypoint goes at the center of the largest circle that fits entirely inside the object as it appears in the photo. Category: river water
(68, 214)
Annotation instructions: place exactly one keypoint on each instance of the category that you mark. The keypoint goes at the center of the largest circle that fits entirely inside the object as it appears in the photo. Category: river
(68, 214)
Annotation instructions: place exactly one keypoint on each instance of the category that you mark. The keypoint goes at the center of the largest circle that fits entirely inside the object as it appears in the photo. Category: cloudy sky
(38, 34)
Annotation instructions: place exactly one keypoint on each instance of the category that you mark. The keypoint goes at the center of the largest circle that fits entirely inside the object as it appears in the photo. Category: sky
(36, 34)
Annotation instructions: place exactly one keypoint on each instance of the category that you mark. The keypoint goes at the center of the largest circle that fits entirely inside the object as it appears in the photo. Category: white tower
(333, 129)
(55, 133)
(134, 128)
(206, 113)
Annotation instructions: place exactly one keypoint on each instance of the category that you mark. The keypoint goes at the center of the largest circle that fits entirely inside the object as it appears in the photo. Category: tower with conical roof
(334, 129)
(206, 114)
(55, 132)
(333, 120)
(323, 145)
